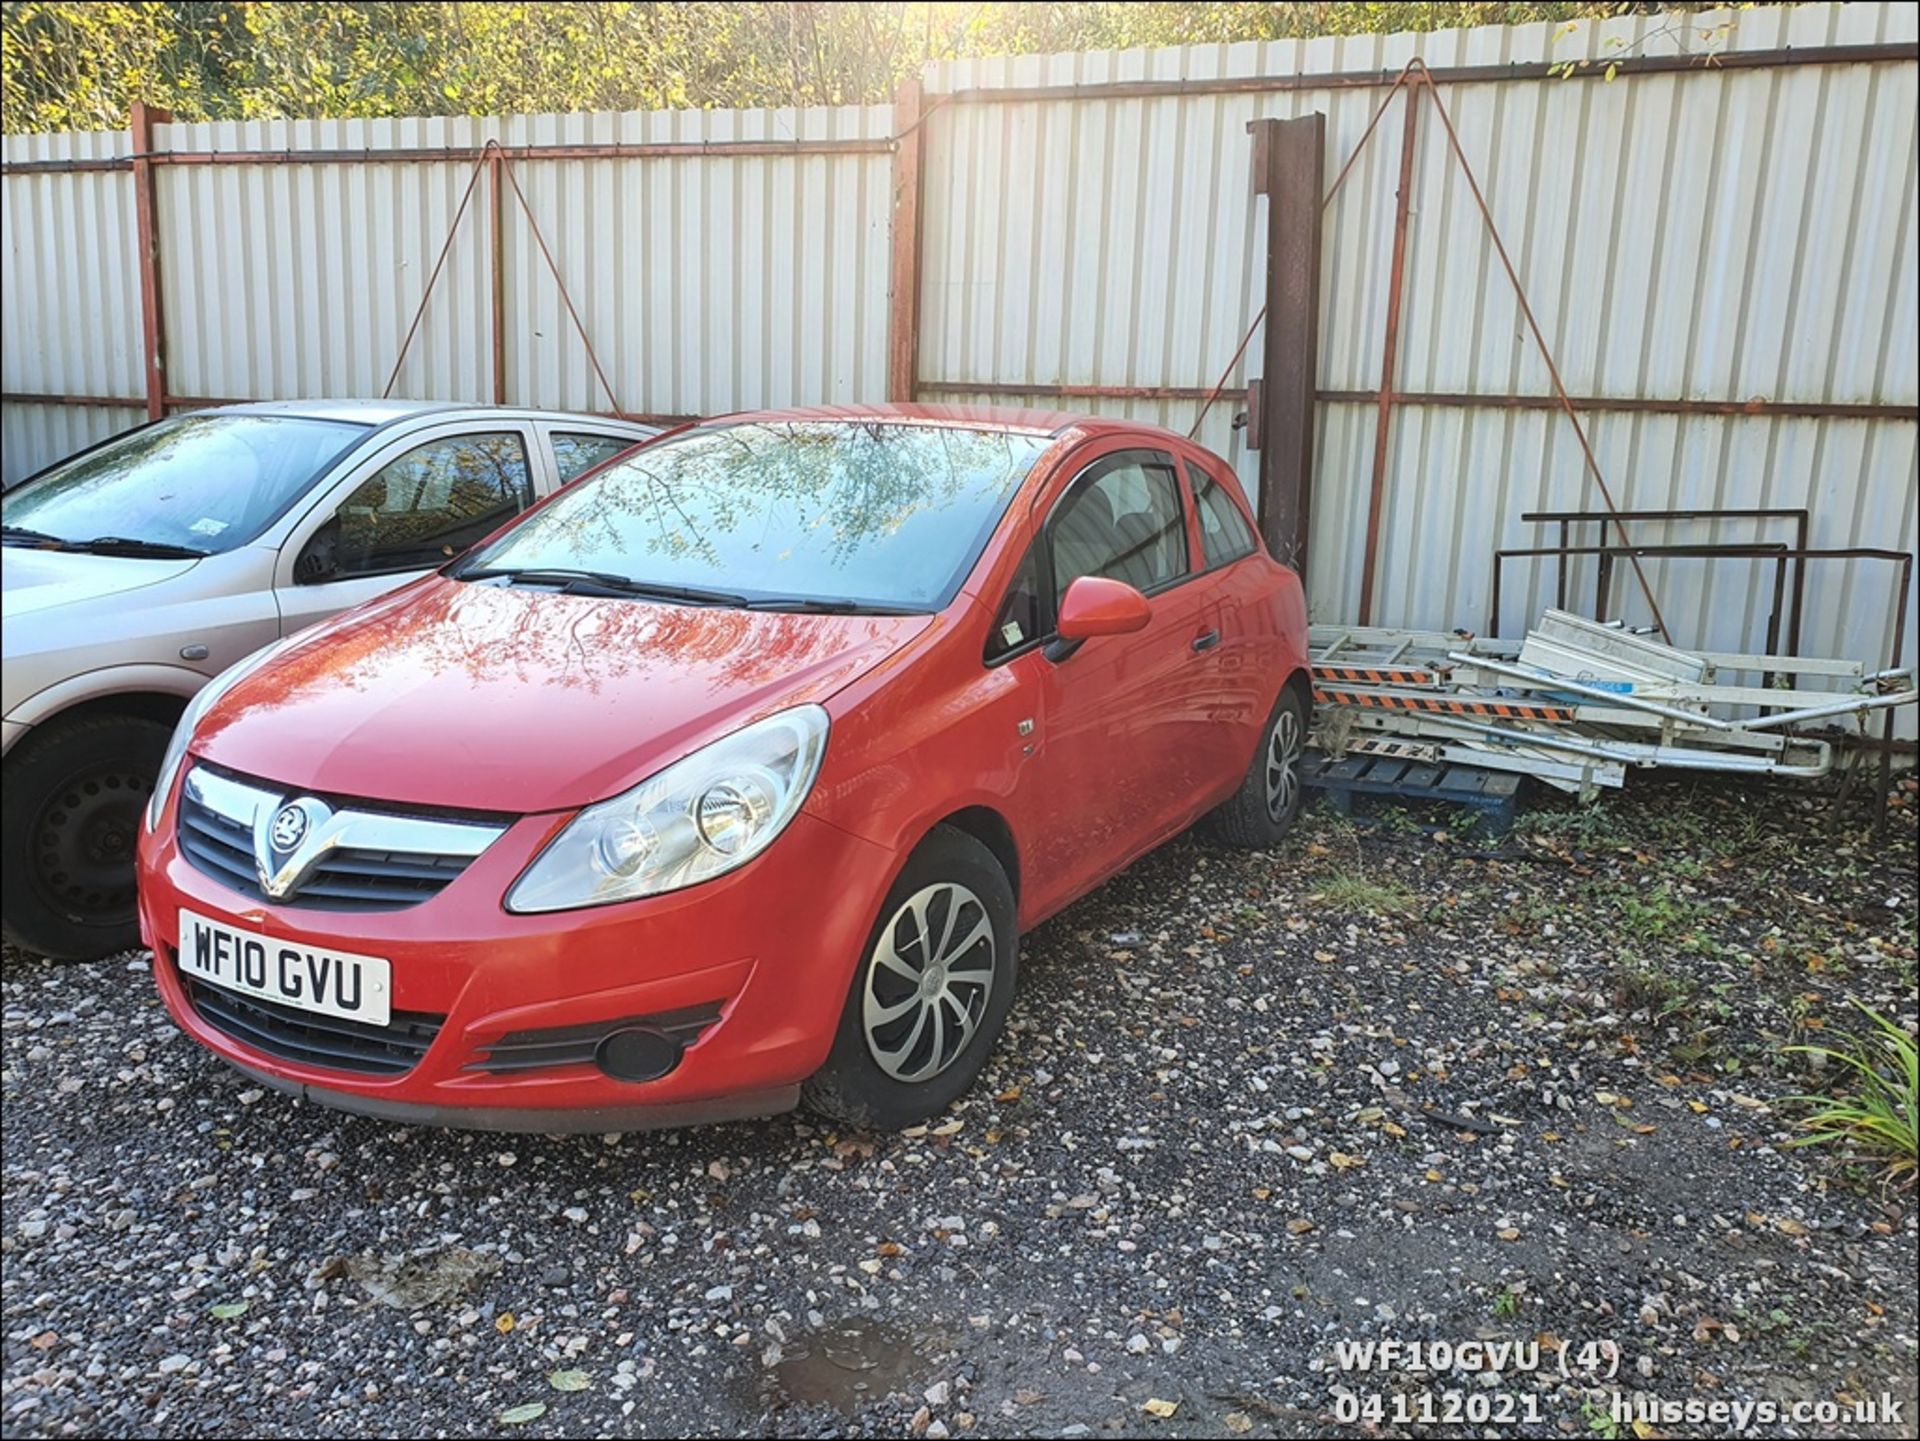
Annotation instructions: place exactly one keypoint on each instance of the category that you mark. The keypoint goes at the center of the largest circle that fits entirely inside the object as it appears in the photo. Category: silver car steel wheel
(1283, 764)
(928, 982)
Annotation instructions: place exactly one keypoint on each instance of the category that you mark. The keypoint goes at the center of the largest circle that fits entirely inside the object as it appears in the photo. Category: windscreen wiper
(827, 605)
(104, 545)
(600, 582)
(141, 549)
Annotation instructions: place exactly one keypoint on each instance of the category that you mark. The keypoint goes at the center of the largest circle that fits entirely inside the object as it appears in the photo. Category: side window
(1223, 529)
(578, 454)
(1122, 519)
(422, 509)
(1022, 617)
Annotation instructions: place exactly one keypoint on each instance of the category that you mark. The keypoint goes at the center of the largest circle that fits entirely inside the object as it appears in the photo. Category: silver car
(137, 570)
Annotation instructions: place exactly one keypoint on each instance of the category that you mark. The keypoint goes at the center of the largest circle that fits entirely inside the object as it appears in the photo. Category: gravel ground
(1385, 1082)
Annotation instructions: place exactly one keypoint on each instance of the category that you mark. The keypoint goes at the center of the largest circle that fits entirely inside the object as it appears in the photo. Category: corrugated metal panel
(32, 437)
(707, 283)
(70, 294)
(710, 284)
(1717, 236)
(291, 281)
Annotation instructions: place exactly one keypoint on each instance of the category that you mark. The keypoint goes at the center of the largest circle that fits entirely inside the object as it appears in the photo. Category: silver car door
(406, 508)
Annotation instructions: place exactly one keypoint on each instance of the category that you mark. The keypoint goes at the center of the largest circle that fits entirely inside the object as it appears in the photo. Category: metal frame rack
(1579, 703)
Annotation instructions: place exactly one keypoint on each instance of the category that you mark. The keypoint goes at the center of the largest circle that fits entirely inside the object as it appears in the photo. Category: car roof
(972, 417)
(385, 412)
(363, 412)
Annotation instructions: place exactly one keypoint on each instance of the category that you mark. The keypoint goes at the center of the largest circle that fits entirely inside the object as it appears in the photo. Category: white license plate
(292, 973)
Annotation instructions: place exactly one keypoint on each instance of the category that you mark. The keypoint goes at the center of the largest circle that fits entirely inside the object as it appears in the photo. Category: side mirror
(1095, 605)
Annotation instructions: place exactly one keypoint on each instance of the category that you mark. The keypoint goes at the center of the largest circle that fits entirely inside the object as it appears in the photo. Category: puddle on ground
(850, 1365)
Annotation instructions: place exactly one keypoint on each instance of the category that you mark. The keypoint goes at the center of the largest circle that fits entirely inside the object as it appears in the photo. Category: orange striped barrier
(1376, 675)
(1503, 709)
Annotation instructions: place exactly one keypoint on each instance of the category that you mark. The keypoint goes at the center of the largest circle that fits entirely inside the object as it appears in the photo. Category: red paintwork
(532, 703)
(472, 696)
(1094, 605)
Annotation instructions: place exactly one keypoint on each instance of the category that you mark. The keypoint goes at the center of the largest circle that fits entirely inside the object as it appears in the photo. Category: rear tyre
(69, 820)
(931, 993)
(1264, 808)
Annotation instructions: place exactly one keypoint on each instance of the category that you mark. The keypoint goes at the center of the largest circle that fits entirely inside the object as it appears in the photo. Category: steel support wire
(1539, 339)
(494, 152)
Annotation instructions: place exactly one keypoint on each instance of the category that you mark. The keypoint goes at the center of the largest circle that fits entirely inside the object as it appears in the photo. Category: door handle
(1208, 640)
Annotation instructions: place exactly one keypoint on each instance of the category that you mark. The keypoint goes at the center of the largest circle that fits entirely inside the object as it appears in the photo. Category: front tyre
(69, 820)
(932, 991)
(1263, 809)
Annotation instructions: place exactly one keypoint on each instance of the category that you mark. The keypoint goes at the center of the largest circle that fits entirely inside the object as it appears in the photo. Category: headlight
(195, 712)
(699, 818)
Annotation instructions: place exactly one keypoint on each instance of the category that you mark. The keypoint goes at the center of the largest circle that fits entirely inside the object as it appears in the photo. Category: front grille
(576, 1045)
(217, 817)
(315, 1040)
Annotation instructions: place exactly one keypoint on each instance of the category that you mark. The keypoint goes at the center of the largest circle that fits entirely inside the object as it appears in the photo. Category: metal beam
(903, 284)
(463, 154)
(1784, 409)
(1657, 405)
(497, 260)
(203, 402)
(1019, 389)
(1290, 172)
(115, 402)
(1696, 64)
(141, 120)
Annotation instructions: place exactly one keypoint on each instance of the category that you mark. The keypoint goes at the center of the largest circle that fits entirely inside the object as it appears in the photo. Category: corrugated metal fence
(1722, 237)
(721, 260)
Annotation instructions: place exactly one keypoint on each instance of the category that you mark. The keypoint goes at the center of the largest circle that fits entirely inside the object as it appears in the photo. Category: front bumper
(771, 948)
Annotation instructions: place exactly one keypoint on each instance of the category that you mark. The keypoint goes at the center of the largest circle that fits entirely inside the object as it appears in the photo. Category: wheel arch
(987, 826)
(1300, 682)
(151, 693)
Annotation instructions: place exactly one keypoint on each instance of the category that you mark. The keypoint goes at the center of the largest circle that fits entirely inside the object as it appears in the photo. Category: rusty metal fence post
(903, 285)
(497, 259)
(1289, 168)
(140, 122)
(1390, 348)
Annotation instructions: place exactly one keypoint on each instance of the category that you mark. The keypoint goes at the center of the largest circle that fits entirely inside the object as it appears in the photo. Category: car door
(1251, 654)
(414, 504)
(1113, 768)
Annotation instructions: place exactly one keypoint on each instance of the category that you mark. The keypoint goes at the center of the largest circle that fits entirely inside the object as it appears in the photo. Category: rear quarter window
(1223, 528)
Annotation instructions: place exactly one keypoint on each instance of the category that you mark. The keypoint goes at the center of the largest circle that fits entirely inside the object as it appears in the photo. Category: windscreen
(828, 512)
(203, 483)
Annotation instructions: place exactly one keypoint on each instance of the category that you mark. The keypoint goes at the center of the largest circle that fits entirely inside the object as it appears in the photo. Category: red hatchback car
(727, 778)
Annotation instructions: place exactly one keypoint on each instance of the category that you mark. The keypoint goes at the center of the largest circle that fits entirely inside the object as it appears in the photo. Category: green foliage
(77, 66)
(1879, 1118)
(1345, 893)
(1642, 985)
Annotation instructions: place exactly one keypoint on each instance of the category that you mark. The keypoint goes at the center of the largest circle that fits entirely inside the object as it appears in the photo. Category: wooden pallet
(1494, 794)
